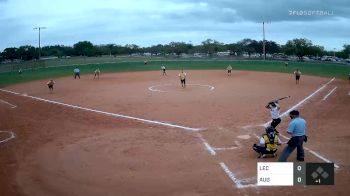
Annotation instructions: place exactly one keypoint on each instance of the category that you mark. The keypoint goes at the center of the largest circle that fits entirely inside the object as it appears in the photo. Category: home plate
(244, 137)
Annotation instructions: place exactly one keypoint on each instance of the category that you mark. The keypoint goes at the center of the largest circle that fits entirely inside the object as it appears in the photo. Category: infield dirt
(60, 150)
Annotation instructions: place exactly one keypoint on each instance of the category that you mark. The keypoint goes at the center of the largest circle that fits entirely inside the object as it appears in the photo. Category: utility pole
(39, 29)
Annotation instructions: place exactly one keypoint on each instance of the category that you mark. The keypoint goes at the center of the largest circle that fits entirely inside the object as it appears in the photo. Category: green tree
(247, 45)
(179, 47)
(345, 53)
(10, 53)
(26, 53)
(299, 47)
(84, 48)
(271, 47)
(212, 46)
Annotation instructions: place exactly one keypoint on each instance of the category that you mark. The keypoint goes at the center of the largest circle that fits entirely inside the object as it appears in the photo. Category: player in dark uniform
(50, 85)
(297, 74)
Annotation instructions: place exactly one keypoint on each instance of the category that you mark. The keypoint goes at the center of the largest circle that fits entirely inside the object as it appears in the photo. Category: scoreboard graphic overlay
(290, 174)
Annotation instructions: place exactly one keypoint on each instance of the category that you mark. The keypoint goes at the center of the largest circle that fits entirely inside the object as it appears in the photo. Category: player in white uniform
(164, 70)
(76, 73)
(274, 108)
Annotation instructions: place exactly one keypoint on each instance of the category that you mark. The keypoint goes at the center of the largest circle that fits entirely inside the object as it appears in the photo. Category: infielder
(50, 85)
(76, 73)
(229, 70)
(182, 76)
(164, 70)
(297, 74)
(97, 73)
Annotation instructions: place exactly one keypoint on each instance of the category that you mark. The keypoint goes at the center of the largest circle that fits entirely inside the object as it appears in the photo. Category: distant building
(227, 53)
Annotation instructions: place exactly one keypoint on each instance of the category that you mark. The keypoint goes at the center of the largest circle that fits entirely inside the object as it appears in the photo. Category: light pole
(264, 52)
(334, 53)
(264, 41)
(39, 29)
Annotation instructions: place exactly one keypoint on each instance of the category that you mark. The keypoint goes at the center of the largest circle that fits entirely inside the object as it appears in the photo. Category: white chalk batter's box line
(12, 136)
(330, 92)
(7, 103)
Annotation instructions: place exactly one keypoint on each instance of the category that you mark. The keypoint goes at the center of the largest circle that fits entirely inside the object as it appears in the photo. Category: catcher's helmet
(270, 130)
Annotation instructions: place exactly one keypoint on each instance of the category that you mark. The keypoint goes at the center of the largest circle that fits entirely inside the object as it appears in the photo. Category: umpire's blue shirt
(297, 127)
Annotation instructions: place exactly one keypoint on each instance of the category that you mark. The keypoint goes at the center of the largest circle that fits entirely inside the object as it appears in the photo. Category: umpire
(297, 129)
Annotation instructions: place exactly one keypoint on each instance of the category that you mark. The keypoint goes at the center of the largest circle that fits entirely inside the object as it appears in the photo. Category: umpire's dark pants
(294, 142)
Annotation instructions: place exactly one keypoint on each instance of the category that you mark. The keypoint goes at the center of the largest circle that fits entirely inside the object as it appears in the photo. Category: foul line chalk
(226, 148)
(314, 153)
(321, 157)
(206, 145)
(301, 102)
(12, 136)
(7, 91)
(5, 102)
(233, 178)
(110, 114)
(325, 97)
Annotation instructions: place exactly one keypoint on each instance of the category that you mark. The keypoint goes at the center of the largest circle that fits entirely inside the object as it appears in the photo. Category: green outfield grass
(318, 69)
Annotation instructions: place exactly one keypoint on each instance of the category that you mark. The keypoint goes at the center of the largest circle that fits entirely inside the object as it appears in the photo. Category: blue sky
(150, 22)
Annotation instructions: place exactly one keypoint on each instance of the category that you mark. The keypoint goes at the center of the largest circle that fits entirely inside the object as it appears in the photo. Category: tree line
(298, 47)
